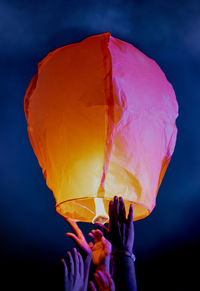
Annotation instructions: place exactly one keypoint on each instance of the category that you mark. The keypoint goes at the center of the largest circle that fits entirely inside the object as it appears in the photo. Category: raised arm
(121, 234)
(85, 249)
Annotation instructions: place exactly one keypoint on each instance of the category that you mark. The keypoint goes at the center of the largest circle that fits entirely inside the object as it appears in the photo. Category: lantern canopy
(101, 120)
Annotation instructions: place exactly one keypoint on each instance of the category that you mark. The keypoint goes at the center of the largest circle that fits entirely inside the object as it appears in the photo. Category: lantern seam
(108, 89)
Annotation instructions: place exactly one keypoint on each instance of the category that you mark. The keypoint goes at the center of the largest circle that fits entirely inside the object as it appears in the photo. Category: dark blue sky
(168, 32)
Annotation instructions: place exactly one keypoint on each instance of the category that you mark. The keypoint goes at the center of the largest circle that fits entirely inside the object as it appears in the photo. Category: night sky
(32, 234)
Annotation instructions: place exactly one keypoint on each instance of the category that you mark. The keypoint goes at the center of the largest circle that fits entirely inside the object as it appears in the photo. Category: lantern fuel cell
(101, 120)
(101, 215)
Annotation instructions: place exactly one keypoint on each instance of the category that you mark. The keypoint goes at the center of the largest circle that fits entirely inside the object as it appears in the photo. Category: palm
(101, 247)
(100, 251)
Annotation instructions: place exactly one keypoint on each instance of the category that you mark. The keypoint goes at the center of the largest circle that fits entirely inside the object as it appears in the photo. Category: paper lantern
(101, 120)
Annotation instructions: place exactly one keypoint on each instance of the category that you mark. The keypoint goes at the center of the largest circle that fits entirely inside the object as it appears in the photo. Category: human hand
(103, 281)
(73, 272)
(80, 240)
(120, 231)
(78, 237)
(101, 249)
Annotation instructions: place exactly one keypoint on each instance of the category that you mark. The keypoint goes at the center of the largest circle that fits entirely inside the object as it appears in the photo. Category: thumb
(92, 286)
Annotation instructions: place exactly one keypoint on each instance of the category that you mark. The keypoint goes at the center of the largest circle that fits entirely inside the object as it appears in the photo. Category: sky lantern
(101, 120)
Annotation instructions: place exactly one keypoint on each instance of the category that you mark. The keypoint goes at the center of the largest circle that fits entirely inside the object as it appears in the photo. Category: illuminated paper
(101, 120)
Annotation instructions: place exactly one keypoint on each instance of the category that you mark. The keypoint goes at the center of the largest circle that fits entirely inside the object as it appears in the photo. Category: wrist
(124, 253)
(88, 259)
(124, 248)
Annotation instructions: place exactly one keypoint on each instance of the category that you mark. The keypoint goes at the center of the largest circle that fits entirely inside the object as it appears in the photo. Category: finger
(71, 264)
(81, 265)
(65, 268)
(130, 214)
(76, 261)
(110, 211)
(92, 286)
(122, 211)
(91, 245)
(108, 276)
(123, 233)
(98, 234)
(116, 210)
(103, 229)
(101, 279)
(118, 231)
(75, 227)
(74, 237)
(98, 280)
(91, 235)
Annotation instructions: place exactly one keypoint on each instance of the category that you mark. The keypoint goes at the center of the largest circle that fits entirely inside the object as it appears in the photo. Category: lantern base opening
(84, 209)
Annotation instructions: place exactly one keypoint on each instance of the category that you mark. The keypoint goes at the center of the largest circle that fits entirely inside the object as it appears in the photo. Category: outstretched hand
(78, 237)
(81, 242)
(120, 231)
(73, 271)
